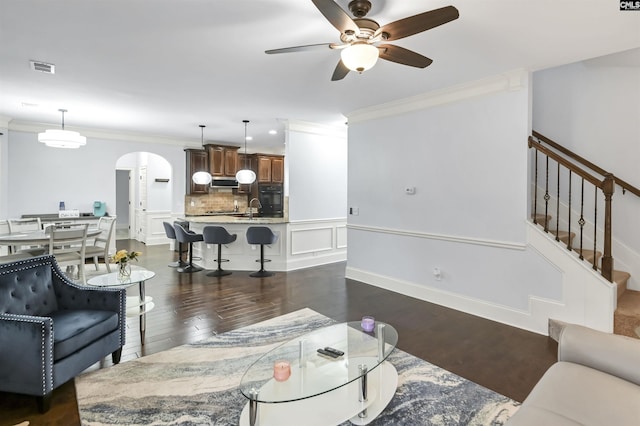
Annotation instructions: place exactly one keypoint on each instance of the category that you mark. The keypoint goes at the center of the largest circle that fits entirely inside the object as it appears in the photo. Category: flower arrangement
(124, 257)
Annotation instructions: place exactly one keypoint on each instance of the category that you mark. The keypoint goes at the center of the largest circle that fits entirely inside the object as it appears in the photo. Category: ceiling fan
(362, 40)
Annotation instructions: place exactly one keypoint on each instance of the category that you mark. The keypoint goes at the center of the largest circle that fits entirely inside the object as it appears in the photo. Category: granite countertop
(235, 219)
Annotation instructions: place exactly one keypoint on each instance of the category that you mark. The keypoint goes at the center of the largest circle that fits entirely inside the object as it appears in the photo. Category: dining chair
(32, 224)
(100, 246)
(67, 243)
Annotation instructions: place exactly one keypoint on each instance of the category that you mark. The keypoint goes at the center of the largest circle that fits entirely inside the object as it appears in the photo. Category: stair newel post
(546, 198)
(569, 215)
(608, 189)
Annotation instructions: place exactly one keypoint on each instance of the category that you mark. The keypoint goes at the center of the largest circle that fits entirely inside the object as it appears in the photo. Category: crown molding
(4, 122)
(505, 82)
(33, 127)
(315, 128)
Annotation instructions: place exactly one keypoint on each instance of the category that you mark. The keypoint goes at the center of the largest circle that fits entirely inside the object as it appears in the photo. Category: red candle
(281, 371)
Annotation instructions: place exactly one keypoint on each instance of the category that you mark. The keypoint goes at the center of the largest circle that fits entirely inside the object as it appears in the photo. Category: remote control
(335, 351)
(327, 353)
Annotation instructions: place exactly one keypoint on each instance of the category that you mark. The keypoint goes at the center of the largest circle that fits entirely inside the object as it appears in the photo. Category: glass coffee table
(295, 384)
(136, 306)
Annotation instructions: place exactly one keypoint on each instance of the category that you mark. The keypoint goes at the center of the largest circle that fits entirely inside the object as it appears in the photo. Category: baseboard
(316, 260)
(503, 314)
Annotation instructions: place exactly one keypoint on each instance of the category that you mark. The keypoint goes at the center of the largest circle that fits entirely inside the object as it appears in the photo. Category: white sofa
(596, 381)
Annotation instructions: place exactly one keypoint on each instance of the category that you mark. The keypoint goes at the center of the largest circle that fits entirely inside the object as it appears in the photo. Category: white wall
(465, 153)
(40, 177)
(4, 171)
(593, 108)
(316, 159)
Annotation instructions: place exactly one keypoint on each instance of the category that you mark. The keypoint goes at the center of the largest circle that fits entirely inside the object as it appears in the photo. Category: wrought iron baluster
(569, 215)
(595, 226)
(546, 198)
(558, 206)
(581, 221)
(535, 191)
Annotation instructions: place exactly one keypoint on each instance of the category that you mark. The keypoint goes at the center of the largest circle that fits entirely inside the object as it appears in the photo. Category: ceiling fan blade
(417, 23)
(340, 72)
(304, 48)
(337, 16)
(403, 56)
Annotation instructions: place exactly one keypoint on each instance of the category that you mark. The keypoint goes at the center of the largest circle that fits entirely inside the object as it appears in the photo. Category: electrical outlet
(355, 211)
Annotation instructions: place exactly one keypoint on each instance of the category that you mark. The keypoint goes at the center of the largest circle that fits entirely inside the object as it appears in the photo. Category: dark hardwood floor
(190, 307)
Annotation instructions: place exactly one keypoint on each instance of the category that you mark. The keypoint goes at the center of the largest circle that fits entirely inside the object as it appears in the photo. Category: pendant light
(61, 138)
(246, 175)
(202, 178)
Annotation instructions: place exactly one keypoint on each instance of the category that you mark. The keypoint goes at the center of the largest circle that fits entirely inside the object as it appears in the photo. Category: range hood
(224, 182)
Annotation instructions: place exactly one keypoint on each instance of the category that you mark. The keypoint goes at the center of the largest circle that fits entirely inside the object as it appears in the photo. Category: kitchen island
(300, 244)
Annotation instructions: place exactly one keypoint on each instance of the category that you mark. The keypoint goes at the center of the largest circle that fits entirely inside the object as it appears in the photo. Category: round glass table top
(114, 280)
(295, 370)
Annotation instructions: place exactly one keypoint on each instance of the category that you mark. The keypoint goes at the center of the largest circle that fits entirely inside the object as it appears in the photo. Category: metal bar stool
(218, 235)
(190, 237)
(171, 234)
(261, 235)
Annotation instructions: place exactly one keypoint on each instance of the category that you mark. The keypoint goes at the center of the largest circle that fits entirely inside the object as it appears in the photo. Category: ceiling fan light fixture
(245, 176)
(359, 57)
(61, 138)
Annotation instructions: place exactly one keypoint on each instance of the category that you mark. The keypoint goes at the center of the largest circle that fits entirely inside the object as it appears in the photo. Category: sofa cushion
(570, 394)
(73, 330)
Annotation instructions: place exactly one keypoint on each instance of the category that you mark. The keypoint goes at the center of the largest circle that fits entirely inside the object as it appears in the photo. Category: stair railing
(606, 185)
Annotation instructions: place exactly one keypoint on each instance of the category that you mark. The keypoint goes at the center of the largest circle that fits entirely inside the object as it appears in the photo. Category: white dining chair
(68, 243)
(100, 247)
(32, 224)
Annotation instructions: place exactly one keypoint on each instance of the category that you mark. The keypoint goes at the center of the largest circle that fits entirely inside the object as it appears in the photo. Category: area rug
(197, 384)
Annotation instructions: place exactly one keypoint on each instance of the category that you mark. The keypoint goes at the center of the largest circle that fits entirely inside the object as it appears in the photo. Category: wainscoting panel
(311, 240)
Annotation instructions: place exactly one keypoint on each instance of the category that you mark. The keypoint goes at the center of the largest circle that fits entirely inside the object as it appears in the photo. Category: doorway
(124, 219)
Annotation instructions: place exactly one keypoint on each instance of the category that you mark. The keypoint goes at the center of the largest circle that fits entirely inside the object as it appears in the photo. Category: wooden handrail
(625, 185)
(568, 164)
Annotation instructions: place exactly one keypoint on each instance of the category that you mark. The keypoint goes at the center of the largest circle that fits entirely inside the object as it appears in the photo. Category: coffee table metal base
(330, 408)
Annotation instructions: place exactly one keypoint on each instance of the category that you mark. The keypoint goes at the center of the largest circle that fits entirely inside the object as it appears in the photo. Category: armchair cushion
(76, 329)
(27, 291)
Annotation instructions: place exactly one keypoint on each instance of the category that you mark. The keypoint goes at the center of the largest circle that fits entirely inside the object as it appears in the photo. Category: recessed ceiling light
(273, 132)
(29, 105)
(249, 138)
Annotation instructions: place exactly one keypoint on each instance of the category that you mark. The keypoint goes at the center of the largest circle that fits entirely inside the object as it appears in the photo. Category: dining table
(35, 238)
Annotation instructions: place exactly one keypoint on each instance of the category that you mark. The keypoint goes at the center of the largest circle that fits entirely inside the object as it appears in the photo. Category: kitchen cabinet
(223, 160)
(197, 161)
(270, 168)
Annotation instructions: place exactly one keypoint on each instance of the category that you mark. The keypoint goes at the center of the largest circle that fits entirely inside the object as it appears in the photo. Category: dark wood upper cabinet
(197, 161)
(270, 168)
(223, 160)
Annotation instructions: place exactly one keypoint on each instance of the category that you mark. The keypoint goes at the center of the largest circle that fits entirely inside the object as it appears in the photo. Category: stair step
(626, 319)
(539, 219)
(588, 255)
(620, 278)
(565, 237)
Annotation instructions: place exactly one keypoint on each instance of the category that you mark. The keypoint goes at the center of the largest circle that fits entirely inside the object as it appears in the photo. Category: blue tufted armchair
(52, 329)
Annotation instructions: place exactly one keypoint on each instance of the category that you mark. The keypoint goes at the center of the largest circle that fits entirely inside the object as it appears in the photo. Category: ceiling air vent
(43, 67)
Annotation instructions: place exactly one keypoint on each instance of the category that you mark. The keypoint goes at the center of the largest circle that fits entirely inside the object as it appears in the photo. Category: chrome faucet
(251, 210)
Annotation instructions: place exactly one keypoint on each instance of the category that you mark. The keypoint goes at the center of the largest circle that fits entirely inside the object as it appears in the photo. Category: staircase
(626, 319)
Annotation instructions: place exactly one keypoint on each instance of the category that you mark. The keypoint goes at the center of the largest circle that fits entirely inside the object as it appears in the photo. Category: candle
(281, 371)
(368, 323)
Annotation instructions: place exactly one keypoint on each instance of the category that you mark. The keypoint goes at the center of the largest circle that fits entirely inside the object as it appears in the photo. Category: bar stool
(218, 235)
(184, 236)
(171, 234)
(261, 235)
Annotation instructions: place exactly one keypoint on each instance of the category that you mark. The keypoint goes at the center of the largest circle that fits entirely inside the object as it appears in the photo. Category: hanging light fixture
(359, 56)
(246, 175)
(202, 178)
(61, 138)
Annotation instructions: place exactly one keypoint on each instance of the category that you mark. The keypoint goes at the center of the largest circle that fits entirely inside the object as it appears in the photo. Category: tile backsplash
(217, 201)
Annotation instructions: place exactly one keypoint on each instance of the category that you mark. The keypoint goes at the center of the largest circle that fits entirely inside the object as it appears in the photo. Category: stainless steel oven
(271, 199)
